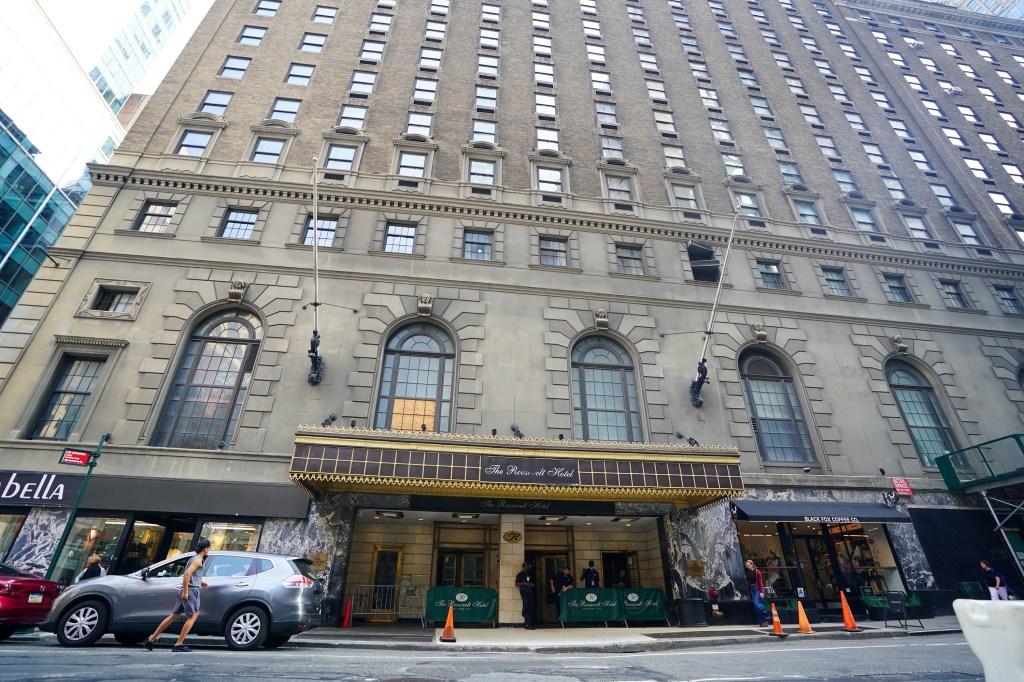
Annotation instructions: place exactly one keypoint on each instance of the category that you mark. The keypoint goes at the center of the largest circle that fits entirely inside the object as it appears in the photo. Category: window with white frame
(340, 157)
(544, 74)
(439, 7)
(486, 66)
(720, 130)
(299, 74)
(943, 194)
(215, 102)
(324, 14)
(917, 227)
(595, 53)
(611, 147)
(490, 13)
(965, 230)
(380, 23)
(845, 180)
(1002, 203)
(482, 171)
(761, 107)
(748, 204)
(547, 138)
(313, 42)
(430, 58)
(648, 62)
(790, 173)
(894, 187)
(412, 164)
(419, 124)
(630, 259)
(399, 238)
(619, 187)
(490, 39)
(324, 232)
(477, 245)
(807, 212)
(238, 223)
(542, 46)
(545, 105)
(486, 98)
(1008, 299)
(484, 131)
(193, 143)
(674, 156)
(921, 161)
(267, 150)
(352, 116)
(267, 8)
(252, 35)
(362, 82)
(733, 165)
(1010, 119)
(234, 67)
(810, 114)
(549, 179)
(664, 122)
(371, 52)
(684, 196)
(435, 31)
(977, 168)
(606, 113)
(655, 89)
(424, 90)
(835, 280)
(541, 20)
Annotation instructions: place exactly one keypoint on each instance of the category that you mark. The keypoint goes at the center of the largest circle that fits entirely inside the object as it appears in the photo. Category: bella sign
(36, 489)
(496, 469)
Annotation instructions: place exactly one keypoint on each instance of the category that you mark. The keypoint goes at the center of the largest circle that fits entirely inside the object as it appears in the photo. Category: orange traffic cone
(448, 634)
(849, 624)
(777, 625)
(801, 618)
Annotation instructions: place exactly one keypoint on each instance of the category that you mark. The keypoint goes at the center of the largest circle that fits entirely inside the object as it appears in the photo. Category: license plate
(35, 598)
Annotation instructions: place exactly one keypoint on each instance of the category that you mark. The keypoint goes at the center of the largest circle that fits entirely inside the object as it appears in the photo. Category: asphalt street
(938, 658)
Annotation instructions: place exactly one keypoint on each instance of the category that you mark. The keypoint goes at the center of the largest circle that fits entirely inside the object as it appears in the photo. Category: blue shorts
(188, 606)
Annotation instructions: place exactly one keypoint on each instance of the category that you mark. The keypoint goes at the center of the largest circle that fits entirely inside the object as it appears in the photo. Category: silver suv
(252, 599)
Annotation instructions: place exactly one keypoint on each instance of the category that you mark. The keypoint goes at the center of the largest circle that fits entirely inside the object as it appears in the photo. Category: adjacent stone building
(523, 214)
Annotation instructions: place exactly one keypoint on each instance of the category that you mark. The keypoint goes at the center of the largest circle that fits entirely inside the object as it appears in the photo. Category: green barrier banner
(644, 604)
(471, 604)
(581, 606)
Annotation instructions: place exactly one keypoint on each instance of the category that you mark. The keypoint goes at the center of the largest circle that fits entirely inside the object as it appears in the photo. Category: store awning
(465, 465)
(817, 512)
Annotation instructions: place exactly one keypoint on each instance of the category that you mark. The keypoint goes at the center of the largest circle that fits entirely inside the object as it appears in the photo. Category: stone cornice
(94, 341)
(452, 207)
(940, 12)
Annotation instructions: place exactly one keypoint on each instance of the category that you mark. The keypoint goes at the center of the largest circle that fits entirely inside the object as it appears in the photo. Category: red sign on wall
(902, 486)
(75, 457)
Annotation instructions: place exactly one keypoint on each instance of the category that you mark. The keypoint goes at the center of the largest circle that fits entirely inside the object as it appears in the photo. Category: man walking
(528, 591)
(188, 600)
(995, 581)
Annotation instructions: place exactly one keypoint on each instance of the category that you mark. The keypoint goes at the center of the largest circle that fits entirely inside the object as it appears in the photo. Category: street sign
(902, 487)
(78, 458)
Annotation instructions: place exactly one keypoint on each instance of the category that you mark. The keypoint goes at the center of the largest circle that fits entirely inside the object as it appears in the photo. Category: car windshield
(11, 572)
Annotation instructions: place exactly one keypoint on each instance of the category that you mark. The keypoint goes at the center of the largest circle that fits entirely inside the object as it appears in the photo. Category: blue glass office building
(33, 212)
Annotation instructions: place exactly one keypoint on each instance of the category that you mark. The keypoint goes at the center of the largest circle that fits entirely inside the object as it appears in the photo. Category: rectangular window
(252, 35)
(372, 51)
(761, 107)
(917, 226)
(943, 194)
(684, 196)
(856, 121)
(664, 122)
(810, 114)
(611, 147)
(748, 205)
(542, 46)
(544, 74)
(545, 105)
(547, 138)
(193, 143)
(592, 29)
(874, 153)
(790, 173)
(155, 216)
(807, 212)
(238, 224)
(1002, 203)
(895, 187)
(430, 58)
(439, 7)
(215, 102)
(835, 280)
(115, 300)
(267, 8)
(482, 171)
(629, 258)
(733, 164)
(362, 82)
(299, 74)
(977, 168)
(326, 228)
(324, 14)
(921, 161)
(380, 23)
(606, 113)
(313, 42)
(412, 164)
(1014, 171)
(435, 31)
(284, 109)
(898, 288)
(1010, 119)
(541, 21)
(953, 295)
(673, 156)
(489, 39)
(484, 131)
(1008, 300)
(424, 90)
(595, 53)
(234, 67)
(771, 274)
(477, 245)
(399, 238)
(419, 124)
(267, 150)
(75, 381)
(619, 187)
(554, 252)
(486, 97)
(549, 179)
(900, 128)
(720, 130)
(340, 157)
(991, 143)
(864, 219)
(965, 229)
(845, 180)
(490, 13)
(352, 116)
(487, 67)
(708, 97)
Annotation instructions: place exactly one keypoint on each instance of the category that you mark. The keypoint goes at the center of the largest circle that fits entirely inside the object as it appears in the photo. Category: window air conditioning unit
(955, 90)
(916, 44)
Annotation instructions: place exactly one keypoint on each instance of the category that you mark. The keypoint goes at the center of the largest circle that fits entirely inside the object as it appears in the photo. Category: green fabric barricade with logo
(616, 604)
(644, 604)
(470, 604)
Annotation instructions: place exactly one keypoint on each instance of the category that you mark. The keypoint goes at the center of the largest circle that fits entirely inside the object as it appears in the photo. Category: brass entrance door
(387, 567)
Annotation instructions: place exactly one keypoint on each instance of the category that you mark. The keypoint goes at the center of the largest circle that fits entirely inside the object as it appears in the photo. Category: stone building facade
(527, 195)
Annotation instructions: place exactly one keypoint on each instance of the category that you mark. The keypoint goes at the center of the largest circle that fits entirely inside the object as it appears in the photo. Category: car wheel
(275, 641)
(129, 638)
(246, 628)
(82, 624)
(5, 633)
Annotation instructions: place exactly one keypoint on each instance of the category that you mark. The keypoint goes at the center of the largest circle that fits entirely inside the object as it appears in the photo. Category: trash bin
(691, 613)
(995, 632)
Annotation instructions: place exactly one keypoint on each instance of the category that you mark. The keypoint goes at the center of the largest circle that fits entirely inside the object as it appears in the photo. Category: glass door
(816, 569)
(550, 566)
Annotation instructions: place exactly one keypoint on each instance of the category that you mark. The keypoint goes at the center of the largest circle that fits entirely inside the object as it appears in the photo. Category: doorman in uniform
(527, 585)
(562, 582)
(591, 578)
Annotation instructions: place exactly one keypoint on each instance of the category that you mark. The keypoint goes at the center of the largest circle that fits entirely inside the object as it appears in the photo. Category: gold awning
(415, 462)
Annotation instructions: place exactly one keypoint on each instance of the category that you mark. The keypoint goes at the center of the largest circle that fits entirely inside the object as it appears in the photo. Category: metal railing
(388, 601)
(983, 463)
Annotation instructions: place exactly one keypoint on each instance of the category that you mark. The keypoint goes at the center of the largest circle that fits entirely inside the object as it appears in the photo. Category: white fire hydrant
(995, 632)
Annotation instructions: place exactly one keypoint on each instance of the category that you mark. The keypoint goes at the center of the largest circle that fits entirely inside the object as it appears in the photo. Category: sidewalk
(593, 639)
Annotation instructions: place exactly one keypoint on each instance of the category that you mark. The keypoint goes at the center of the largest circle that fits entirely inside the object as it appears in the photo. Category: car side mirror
(144, 574)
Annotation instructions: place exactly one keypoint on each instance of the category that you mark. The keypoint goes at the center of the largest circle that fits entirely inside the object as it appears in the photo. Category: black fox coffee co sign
(38, 489)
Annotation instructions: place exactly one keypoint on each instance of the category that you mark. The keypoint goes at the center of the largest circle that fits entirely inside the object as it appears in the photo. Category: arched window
(205, 402)
(775, 411)
(416, 382)
(921, 411)
(605, 405)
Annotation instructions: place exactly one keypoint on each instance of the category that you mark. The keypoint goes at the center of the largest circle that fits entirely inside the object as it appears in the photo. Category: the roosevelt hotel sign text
(538, 471)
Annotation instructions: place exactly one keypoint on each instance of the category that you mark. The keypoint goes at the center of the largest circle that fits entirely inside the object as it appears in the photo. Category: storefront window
(10, 526)
(89, 535)
(142, 547)
(229, 535)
